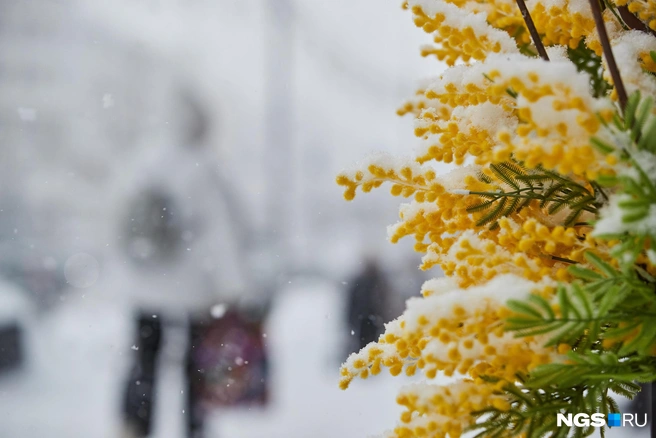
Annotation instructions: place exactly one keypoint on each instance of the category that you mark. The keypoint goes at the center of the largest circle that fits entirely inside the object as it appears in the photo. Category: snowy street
(73, 384)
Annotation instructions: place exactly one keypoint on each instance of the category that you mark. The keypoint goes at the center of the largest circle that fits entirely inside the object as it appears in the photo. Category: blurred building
(78, 101)
(84, 101)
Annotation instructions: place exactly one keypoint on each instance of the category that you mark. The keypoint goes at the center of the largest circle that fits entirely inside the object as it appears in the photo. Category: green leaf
(648, 138)
(644, 341)
(535, 329)
(537, 177)
(635, 216)
(619, 332)
(484, 205)
(555, 207)
(494, 214)
(601, 145)
(584, 273)
(618, 122)
(630, 109)
(504, 176)
(512, 207)
(563, 301)
(548, 194)
(611, 298)
(607, 180)
(632, 187)
(487, 77)
(582, 298)
(598, 263)
(612, 405)
(544, 304)
(625, 389)
(514, 168)
(572, 217)
(641, 117)
(484, 178)
(633, 203)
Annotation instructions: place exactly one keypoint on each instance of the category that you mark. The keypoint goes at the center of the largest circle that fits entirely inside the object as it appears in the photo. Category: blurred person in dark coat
(368, 298)
(179, 256)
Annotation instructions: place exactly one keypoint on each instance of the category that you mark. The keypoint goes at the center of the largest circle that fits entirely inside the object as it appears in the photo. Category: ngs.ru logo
(615, 419)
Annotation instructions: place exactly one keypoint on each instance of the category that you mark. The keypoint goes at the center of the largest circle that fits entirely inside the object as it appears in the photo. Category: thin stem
(532, 30)
(634, 22)
(608, 53)
(599, 189)
(499, 195)
(616, 14)
(562, 259)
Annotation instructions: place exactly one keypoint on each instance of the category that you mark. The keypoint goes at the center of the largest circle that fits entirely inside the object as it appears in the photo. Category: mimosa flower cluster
(545, 228)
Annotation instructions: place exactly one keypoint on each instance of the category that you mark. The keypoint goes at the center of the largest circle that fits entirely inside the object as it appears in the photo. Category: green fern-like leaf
(503, 174)
(551, 190)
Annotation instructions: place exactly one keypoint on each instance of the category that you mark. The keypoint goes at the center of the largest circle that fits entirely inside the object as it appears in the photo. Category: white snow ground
(72, 385)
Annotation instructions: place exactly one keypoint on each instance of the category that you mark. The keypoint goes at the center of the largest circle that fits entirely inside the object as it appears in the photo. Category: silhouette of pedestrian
(367, 305)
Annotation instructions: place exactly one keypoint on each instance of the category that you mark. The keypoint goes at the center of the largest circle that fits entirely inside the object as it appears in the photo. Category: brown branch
(532, 30)
(634, 22)
(608, 53)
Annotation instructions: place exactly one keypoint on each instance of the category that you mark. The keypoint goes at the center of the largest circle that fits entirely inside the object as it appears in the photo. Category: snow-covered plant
(545, 230)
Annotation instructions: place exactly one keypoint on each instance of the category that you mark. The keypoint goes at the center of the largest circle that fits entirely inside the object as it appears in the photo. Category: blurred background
(175, 257)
